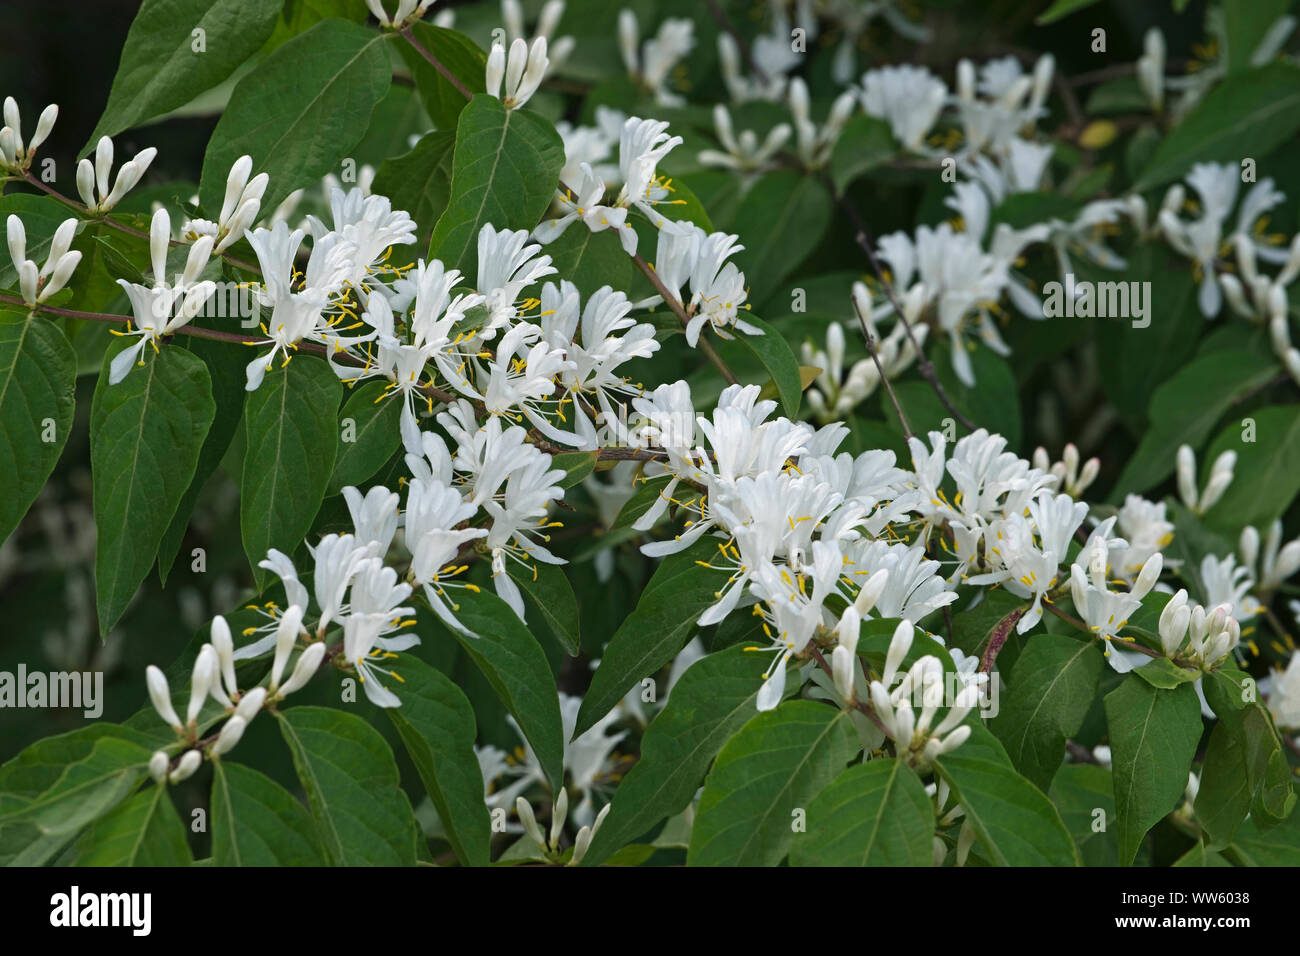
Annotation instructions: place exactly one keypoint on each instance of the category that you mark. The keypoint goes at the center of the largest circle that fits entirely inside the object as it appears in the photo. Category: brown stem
(85, 213)
(875, 357)
(680, 312)
(924, 366)
(437, 65)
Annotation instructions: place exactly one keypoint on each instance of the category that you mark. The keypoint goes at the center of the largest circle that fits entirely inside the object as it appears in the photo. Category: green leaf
(575, 465)
(1246, 767)
(419, 181)
(781, 221)
(1047, 696)
(460, 56)
(143, 831)
(1199, 856)
(712, 700)
(873, 814)
(504, 172)
(161, 70)
(1061, 9)
(1245, 24)
(226, 370)
(291, 437)
(1249, 114)
(1015, 823)
(993, 402)
(591, 260)
(1279, 846)
(1186, 407)
(1078, 791)
(436, 723)
(1223, 799)
(1164, 674)
(548, 590)
(777, 357)
(773, 767)
(373, 431)
(516, 667)
(256, 822)
(41, 216)
(1142, 358)
(36, 770)
(865, 143)
(1153, 736)
(38, 378)
(300, 111)
(347, 769)
(1267, 475)
(86, 789)
(145, 436)
(659, 626)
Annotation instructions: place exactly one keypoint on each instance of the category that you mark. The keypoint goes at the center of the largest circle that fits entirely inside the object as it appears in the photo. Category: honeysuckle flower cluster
(651, 63)
(38, 284)
(15, 155)
(213, 676)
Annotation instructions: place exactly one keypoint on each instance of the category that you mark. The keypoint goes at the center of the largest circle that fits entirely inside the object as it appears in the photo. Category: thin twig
(924, 366)
(436, 63)
(709, 352)
(875, 357)
(85, 213)
(724, 22)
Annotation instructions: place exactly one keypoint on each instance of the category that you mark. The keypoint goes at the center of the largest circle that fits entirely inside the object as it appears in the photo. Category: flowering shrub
(712, 447)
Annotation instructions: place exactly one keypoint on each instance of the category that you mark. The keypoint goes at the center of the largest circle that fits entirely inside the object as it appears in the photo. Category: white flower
(15, 156)
(507, 264)
(374, 517)
(909, 98)
(163, 308)
(522, 72)
(239, 207)
(161, 698)
(743, 153)
(1070, 479)
(93, 178)
(190, 762)
(642, 144)
(371, 225)
(1145, 531)
(38, 284)
(1220, 478)
(1284, 694)
(1151, 68)
(1226, 583)
(407, 12)
(587, 204)
(814, 145)
(652, 64)
(1278, 562)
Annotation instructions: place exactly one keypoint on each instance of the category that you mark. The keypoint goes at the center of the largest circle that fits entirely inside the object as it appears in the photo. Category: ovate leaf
(300, 111)
(658, 627)
(38, 376)
(143, 831)
(1015, 823)
(516, 667)
(1248, 114)
(712, 700)
(145, 436)
(177, 49)
(504, 172)
(256, 822)
(773, 768)
(347, 769)
(292, 433)
(1153, 737)
(436, 723)
(1047, 696)
(873, 814)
